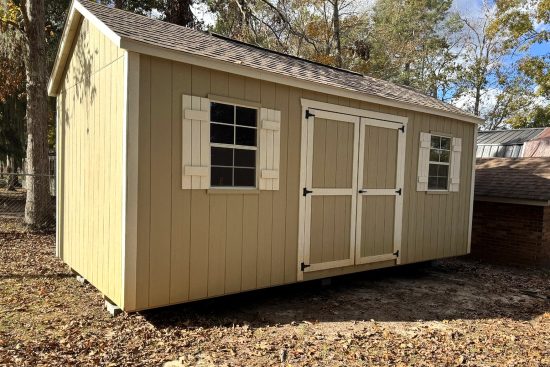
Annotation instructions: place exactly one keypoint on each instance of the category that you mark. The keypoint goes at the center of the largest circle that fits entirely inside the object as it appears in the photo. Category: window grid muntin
(235, 147)
(440, 163)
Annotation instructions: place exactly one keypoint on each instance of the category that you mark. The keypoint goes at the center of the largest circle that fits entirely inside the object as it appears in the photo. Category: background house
(511, 220)
(514, 143)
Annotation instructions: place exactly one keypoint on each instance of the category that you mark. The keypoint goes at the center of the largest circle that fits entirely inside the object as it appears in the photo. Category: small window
(440, 157)
(233, 145)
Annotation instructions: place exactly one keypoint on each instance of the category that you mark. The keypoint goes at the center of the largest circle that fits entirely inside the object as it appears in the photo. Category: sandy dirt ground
(449, 313)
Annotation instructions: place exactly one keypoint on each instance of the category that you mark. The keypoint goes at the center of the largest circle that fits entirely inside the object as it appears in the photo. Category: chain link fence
(13, 196)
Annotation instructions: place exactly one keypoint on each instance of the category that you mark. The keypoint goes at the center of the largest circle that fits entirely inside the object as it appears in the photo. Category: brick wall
(511, 233)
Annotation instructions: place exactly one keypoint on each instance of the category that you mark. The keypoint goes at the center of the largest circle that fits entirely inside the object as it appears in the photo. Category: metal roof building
(504, 143)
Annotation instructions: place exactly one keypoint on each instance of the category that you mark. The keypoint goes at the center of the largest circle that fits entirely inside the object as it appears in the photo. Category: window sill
(233, 191)
(437, 192)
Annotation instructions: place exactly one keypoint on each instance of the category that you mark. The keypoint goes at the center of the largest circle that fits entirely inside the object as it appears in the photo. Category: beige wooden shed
(192, 166)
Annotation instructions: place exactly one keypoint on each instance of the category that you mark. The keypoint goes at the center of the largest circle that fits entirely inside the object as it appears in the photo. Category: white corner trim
(472, 190)
(130, 155)
(247, 71)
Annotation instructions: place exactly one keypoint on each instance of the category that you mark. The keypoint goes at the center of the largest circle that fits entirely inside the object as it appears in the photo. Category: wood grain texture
(91, 123)
(231, 242)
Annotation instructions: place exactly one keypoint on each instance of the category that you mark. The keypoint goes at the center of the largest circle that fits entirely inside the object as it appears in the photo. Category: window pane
(246, 116)
(434, 155)
(442, 183)
(443, 170)
(435, 142)
(245, 177)
(221, 134)
(433, 170)
(220, 112)
(246, 136)
(245, 158)
(222, 156)
(446, 143)
(432, 183)
(221, 176)
(444, 156)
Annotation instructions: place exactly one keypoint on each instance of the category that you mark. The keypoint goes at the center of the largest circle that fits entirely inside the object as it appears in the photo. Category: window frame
(448, 164)
(235, 146)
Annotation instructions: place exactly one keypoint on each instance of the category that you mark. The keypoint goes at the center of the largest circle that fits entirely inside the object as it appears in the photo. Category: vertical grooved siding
(90, 106)
(193, 244)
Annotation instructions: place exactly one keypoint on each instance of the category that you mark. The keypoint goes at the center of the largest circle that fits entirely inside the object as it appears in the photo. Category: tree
(28, 19)
(527, 24)
(415, 43)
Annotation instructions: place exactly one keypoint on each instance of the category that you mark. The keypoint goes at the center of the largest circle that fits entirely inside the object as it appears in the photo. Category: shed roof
(514, 178)
(507, 137)
(141, 30)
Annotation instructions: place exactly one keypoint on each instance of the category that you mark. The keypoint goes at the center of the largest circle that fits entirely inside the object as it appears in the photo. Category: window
(440, 154)
(233, 136)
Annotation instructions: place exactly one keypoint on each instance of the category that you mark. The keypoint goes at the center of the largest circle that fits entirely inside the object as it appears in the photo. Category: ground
(451, 313)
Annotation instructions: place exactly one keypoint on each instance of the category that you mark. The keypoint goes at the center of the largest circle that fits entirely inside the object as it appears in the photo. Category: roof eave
(507, 200)
(76, 12)
(234, 68)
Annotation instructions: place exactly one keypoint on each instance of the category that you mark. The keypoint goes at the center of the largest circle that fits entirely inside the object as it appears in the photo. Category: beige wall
(90, 118)
(194, 244)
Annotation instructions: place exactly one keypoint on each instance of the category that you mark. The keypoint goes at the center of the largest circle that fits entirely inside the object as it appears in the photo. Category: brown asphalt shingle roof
(183, 39)
(513, 178)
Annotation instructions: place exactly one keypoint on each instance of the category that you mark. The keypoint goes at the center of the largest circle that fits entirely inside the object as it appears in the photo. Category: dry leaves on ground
(454, 313)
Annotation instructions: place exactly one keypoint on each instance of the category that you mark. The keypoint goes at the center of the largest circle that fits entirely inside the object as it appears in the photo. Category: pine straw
(453, 313)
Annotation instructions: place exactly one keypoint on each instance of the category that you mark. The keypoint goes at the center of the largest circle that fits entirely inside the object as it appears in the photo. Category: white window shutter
(454, 179)
(195, 143)
(423, 161)
(269, 149)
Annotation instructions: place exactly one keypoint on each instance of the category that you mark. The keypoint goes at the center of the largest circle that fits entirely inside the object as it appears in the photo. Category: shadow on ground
(436, 291)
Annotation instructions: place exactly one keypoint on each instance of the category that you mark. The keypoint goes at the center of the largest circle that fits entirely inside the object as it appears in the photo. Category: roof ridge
(506, 130)
(217, 35)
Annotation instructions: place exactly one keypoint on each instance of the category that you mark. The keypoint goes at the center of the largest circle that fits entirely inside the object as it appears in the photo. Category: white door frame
(373, 118)
(397, 191)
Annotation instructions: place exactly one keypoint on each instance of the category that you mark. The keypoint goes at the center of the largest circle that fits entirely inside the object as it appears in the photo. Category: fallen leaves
(457, 313)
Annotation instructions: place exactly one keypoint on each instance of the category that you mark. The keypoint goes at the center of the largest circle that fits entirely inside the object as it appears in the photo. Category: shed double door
(352, 190)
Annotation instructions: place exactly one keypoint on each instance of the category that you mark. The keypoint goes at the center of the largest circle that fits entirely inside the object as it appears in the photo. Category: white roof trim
(76, 12)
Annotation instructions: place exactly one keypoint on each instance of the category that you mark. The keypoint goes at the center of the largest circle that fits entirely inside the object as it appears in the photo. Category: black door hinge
(396, 253)
(402, 128)
(362, 191)
(309, 114)
(398, 192)
(306, 191)
(304, 266)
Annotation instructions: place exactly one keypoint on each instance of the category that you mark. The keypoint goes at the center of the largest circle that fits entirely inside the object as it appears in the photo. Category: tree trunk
(337, 37)
(37, 206)
(179, 12)
(119, 4)
(477, 100)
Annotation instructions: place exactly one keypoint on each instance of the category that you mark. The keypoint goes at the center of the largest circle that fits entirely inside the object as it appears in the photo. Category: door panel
(330, 228)
(332, 154)
(377, 225)
(380, 158)
(330, 201)
(379, 204)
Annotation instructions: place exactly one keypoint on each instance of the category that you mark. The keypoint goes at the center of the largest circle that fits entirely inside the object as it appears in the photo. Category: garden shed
(192, 166)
